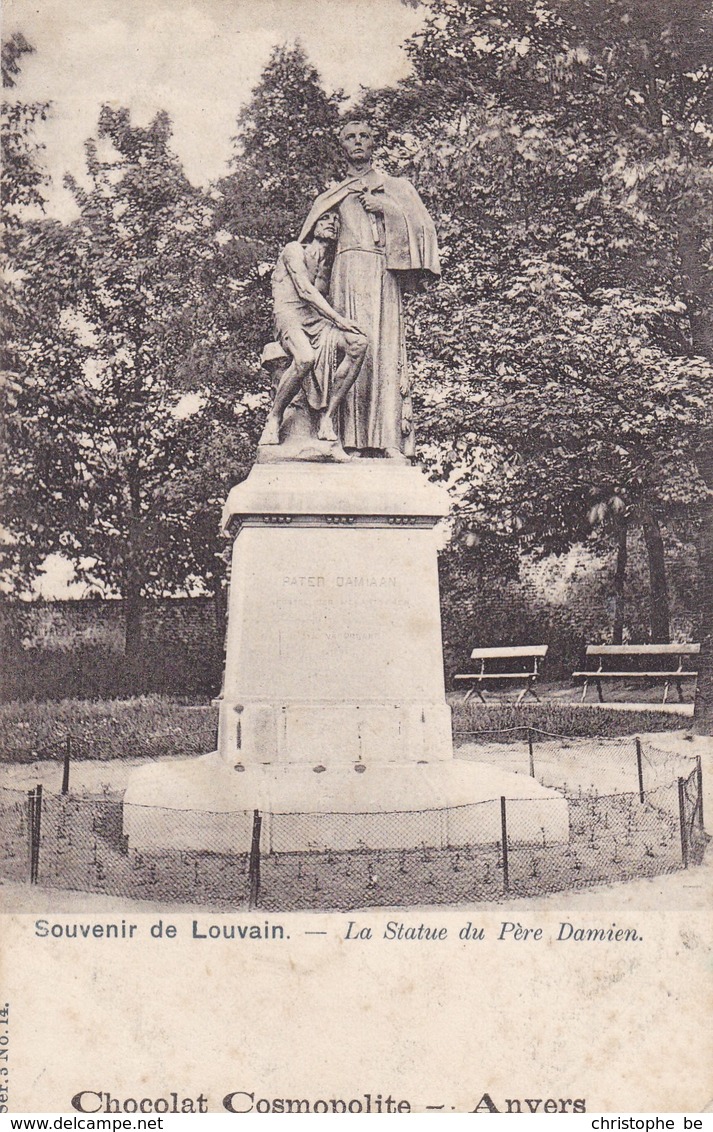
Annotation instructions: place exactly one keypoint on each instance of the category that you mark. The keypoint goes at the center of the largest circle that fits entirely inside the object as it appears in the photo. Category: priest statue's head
(356, 138)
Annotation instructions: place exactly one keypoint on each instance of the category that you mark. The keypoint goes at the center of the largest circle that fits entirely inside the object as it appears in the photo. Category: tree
(22, 183)
(573, 136)
(142, 394)
(106, 378)
(577, 407)
(22, 177)
(285, 149)
(285, 152)
(612, 514)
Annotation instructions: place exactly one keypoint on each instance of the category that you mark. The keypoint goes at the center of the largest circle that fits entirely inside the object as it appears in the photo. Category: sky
(197, 59)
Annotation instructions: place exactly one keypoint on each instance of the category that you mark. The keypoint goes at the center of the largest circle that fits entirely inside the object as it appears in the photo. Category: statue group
(340, 354)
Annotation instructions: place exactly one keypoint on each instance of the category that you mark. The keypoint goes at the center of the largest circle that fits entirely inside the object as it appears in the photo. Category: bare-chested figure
(327, 349)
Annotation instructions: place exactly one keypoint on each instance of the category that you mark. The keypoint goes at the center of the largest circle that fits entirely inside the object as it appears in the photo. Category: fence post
(504, 832)
(254, 867)
(38, 829)
(31, 832)
(34, 808)
(682, 820)
(531, 749)
(640, 769)
(67, 758)
(699, 784)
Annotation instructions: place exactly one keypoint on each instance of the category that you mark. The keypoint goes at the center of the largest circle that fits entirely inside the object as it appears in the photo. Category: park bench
(530, 657)
(666, 655)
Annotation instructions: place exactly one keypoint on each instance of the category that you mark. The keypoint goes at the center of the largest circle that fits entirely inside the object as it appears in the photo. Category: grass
(105, 729)
(571, 720)
(156, 726)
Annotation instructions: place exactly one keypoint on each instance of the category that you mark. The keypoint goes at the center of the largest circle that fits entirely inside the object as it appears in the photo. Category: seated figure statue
(326, 349)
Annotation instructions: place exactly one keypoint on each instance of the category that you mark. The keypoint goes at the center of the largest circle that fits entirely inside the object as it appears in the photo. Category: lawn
(152, 726)
(157, 727)
(555, 718)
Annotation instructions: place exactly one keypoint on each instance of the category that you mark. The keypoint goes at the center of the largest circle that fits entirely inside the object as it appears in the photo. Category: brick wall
(64, 625)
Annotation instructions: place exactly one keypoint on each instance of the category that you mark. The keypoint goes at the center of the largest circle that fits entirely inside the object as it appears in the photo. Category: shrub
(97, 671)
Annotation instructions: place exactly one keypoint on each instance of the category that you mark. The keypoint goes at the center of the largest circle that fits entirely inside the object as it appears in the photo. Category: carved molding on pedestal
(421, 522)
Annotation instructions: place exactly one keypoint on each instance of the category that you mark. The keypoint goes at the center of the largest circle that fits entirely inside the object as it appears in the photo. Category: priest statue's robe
(378, 254)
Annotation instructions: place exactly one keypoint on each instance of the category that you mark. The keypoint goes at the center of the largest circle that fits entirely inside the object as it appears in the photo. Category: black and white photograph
(356, 595)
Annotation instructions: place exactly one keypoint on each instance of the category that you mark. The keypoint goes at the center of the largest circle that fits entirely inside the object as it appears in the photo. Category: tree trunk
(132, 620)
(619, 582)
(697, 279)
(134, 564)
(658, 593)
(703, 711)
(220, 612)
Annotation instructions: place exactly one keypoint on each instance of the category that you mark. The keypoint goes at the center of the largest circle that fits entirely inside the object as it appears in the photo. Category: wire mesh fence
(15, 844)
(574, 763)
(592, 831)
(690, 800)
(85, 848)
(608, 838)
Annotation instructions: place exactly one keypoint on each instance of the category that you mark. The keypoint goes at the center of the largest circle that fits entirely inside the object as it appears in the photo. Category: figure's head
(327, 227)
(356, 138)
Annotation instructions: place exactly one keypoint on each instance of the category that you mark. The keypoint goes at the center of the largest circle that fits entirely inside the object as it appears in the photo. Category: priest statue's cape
(386, 240)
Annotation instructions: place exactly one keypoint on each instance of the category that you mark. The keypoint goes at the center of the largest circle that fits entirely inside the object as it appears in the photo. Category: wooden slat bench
(669, 655)
(534, 654)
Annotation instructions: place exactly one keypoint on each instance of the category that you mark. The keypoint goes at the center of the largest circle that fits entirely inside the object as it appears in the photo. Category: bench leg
(528, 688)
(680, 691)
(468, 694)
(665, 692)
(584, 691)
(599, 689)
(482, 697)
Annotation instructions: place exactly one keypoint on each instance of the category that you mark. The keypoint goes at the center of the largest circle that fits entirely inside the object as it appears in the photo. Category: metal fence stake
(504, 832)
(38, 829)
(254, 866)
(67, 758)
(640, 769)
(682, 820)
(531, 749)
(34, 824)
(31, 831)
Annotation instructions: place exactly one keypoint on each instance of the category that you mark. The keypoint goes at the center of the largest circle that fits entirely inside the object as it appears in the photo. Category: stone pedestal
(334, 651)
(333, 711)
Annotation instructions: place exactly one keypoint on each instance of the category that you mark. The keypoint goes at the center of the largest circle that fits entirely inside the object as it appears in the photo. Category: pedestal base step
(205, 804)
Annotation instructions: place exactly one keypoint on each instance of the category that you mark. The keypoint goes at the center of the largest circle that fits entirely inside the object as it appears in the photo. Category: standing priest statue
(386, 239)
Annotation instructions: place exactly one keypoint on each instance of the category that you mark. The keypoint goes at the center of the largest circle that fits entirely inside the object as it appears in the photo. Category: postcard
(356, 727)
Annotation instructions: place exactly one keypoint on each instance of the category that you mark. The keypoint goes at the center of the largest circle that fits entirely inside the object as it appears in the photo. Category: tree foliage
(22, 183)
(285, 150)
(563, 369)
(564, 148)
(21, 175)
(103, 411)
